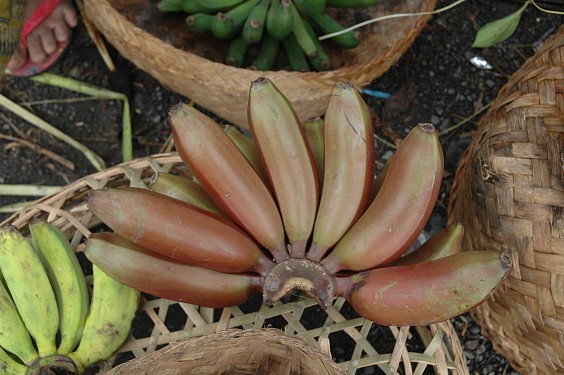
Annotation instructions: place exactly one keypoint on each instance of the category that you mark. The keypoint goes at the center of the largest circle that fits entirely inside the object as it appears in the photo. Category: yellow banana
(30, 288)
(228, 177)
(14, 336)
(109, 320)
(287, 158)
(9, 366)
(67, 279)
(348, 170)
(401, 209)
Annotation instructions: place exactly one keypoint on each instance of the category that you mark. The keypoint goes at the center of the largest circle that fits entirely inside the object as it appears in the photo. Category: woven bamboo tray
(193, 67)
(160, 322)
(508, 193)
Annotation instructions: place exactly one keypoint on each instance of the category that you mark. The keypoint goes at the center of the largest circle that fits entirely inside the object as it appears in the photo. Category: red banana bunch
(311, 217)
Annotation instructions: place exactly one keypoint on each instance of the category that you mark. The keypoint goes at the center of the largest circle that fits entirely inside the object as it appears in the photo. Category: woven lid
(223, 89)
(508, 192)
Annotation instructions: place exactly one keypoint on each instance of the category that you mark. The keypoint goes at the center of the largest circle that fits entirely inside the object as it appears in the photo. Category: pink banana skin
(228, 177)
(288, 160)
(446, 242)
(313, 128)
(428, 292)
(156, 275)
(181, 232)
(348, 169)
(399, 212)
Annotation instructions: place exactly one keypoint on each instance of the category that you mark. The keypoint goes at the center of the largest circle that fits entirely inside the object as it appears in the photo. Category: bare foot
(42, 41)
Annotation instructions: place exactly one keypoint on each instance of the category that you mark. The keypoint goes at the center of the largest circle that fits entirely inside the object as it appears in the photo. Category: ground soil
(435, 81)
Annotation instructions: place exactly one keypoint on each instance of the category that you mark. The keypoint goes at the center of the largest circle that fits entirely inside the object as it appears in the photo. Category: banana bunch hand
(292, 26)
(48, 322)
(294, 208)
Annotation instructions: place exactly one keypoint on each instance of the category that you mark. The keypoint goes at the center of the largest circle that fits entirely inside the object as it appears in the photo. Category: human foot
(42, 41)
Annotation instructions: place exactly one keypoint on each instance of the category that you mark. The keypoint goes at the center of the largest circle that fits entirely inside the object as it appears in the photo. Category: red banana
(159, 276)
(445, 243)
(178, 230)
(425, 293)
(348, 170)
(185, 189)
(247, 147)
(287, 159)
(228, 177)
(399, 212)
(313, 128)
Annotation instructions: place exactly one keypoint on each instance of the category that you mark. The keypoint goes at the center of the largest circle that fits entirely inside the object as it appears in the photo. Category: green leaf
(497, 31)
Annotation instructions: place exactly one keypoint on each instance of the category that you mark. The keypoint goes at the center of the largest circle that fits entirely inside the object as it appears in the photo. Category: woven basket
(193, 67)
(170, 321)
(509, 194)
(241, 352)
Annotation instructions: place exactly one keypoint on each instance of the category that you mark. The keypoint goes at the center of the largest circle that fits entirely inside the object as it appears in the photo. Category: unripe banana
(446, 242)
(236, 52)
(313, 128)
(248, 148)
(9, 366)
(228, 177)
(14, 336)
(222, 27)
(308, 7)
(279, 19)
(425, 293)
(219, 5)
(287, 159)
(29, 285)
(165, 278)
(67, 279)
(296, 56)
(200, 23)
(350, 3)
(169, 5)
(301, 34)
(109, 320)
(320, 60)
(267, 54)
(253, 28)
(239, 14)
(399, 212)
(328, 25)
(182, 232)
(348, 170)
(184, 189)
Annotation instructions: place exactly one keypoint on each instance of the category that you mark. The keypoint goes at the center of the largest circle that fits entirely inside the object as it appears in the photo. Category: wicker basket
(179, 63)
(509, 194)
(170, 321)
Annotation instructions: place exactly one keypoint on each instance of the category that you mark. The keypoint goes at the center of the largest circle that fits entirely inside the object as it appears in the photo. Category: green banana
(287, 159)
(67, 279)
(350, 3)
(236, 52)
(14, 336)
(327, 25)
(219, 5)
(222, 27)
(296, 56)
(200, 23)
(192, 6)
(279, 19)
(109, 320)
(169, 5)
(31, 290)
(8, 366)
(267, 54)
(302, 35)
(348, 169)
(239, 14)
(319, 61)
(308, 7)
(184, 189)
(313, 128)
(253, 28)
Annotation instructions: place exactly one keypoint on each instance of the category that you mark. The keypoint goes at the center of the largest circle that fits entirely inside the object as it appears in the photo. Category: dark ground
(433, 82)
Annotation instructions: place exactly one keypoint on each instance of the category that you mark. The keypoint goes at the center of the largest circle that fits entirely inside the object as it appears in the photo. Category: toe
(18, 58)
(36, 49)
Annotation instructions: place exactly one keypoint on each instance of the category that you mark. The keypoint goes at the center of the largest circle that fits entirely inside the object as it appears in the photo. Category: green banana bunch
(343, 235)
(259, 30)
(107, 325)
